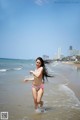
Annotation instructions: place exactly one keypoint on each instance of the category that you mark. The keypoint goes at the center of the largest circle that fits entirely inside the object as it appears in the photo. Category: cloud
(41, 2)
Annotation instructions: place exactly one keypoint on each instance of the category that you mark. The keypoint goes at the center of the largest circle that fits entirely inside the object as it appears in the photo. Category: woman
(38, 82)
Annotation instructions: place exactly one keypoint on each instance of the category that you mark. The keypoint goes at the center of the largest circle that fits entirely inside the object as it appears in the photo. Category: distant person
(38, 82)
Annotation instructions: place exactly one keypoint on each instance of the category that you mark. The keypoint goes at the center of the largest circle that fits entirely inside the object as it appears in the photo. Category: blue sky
(32, 28)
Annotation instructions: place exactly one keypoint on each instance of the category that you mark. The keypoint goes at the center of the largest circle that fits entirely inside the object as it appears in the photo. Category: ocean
(61, 94)
(12, 65)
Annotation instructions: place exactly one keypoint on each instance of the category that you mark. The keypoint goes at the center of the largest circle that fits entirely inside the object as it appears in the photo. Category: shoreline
(72, 63)
(74, 85)
(75, 89)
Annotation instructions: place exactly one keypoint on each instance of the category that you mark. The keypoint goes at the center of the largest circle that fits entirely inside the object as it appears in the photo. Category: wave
(19, 68)
(3, 70)
(71, 95)
(12, 69)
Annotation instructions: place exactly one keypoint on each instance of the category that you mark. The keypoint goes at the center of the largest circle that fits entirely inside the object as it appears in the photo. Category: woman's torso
(37, 81)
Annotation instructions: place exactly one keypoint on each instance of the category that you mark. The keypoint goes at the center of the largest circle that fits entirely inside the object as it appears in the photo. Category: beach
(75, 79)
(61, 93)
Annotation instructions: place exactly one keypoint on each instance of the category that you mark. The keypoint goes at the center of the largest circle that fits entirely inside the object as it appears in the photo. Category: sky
(32, 28)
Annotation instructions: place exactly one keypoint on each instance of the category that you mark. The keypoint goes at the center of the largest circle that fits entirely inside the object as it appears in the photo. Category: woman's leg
(39, 97)
(34, 92)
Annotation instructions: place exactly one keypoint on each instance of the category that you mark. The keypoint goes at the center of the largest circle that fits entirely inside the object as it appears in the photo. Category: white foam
(3, 70)
(25, 118)
(63, 97)
(55, 64)
(18, 68)
(50, 70)
(70, 94)
(40, 110)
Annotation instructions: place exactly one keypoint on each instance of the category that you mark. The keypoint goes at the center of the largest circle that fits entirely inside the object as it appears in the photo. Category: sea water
(60, 101)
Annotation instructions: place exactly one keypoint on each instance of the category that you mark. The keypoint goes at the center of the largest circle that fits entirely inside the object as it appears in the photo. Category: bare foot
(41, 104)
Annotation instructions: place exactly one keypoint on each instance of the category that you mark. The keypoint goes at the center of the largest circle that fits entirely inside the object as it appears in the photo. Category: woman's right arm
(28, 79)
(38, 72)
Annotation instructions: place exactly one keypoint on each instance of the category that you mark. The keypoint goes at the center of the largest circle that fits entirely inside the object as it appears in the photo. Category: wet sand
(72, 63)
(74, 83)
(61, 96)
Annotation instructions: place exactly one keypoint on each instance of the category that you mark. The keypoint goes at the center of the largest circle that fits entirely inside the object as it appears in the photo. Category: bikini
(37, 87)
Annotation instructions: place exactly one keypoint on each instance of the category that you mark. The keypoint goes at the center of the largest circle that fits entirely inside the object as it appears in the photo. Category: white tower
(59, 53)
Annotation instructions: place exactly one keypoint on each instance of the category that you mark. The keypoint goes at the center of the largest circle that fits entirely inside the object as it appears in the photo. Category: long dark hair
(45, 71)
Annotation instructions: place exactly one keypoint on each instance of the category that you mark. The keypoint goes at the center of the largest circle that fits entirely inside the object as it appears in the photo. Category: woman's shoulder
(41, 68)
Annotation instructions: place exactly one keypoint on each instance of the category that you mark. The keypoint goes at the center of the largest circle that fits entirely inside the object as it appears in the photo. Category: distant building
(70, 48)
(73, 52)
(59, 53)
(70, 51)
(45, 57)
